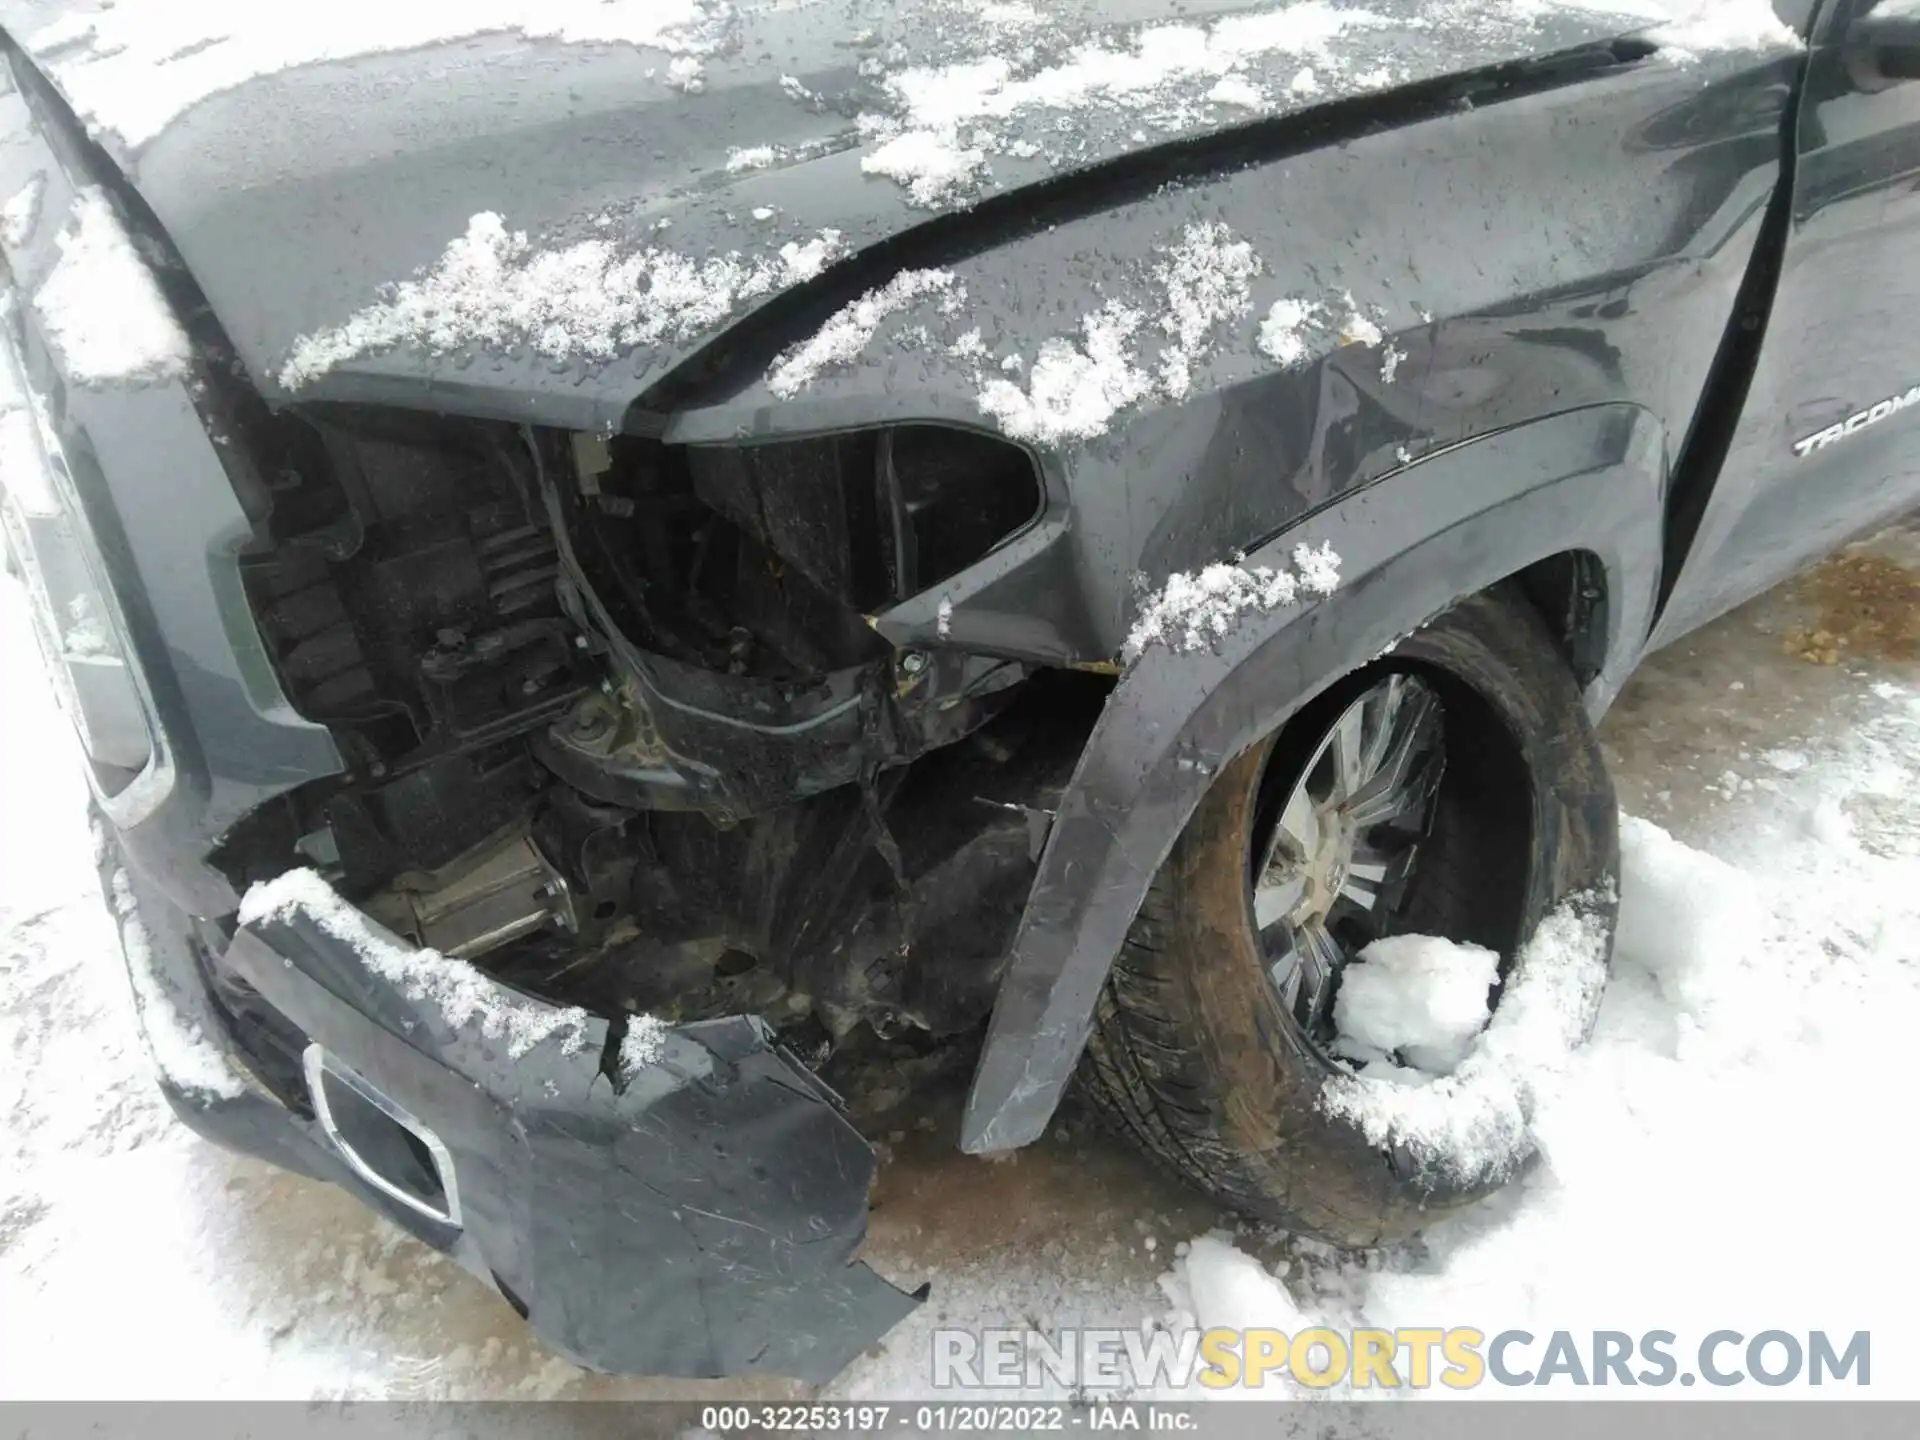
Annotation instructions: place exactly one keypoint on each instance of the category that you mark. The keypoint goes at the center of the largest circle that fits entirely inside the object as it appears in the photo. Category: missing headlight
(951, 496)
(767, 560)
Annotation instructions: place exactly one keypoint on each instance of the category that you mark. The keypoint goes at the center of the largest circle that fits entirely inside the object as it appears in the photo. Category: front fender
(1410, 546)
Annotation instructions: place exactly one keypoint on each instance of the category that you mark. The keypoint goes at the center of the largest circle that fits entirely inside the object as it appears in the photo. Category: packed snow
(1237, 90)
(1751, 1009)
(1697, 27)
(687, 73)
(935, 168)
(102, 305)
(843, 338)
(465, 997)
(587, 301)
(1193, 612)
(1221, 1286)
(1417, 1000)
(1026, 76)
(752, 157)
(1283, 333)
(1129, 72)
(1074, 387)
(1473, 1124)
(22, 212)
(642, 1045)
(131, 68)
(1318, 567)
(1202, 284)
(1357, 327)
(1207, 277)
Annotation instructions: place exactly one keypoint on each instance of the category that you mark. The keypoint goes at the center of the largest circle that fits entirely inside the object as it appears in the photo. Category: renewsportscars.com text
(1460, 1358)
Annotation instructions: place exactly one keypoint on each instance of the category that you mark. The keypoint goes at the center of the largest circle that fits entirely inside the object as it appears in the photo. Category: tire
(1193, 1055)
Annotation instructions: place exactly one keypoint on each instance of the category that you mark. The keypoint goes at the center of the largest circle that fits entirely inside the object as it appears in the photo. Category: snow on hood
(841, 339)
(302, 202)
(939, 66)
(136, 66)
(588, 300)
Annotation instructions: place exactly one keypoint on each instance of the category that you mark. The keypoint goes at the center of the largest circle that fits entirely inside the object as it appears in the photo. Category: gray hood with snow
(673, 162)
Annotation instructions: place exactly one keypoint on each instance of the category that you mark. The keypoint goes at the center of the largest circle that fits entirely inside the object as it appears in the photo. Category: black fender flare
(1410, 545)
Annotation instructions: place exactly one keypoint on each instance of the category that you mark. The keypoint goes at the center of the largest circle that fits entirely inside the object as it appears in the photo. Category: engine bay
(618, 727)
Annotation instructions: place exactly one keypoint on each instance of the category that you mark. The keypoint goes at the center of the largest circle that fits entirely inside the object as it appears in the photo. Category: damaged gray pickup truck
(620, 569)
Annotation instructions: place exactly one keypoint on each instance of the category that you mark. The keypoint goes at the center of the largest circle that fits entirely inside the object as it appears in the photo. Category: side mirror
(1882, 47)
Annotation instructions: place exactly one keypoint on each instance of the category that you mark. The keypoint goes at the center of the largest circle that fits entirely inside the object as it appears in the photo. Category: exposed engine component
(619, 722)
(895, 907)
(735, 583)
(498, 892)
(410, 599)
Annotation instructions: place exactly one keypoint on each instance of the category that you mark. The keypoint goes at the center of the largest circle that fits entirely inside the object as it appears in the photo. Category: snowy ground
(1728, 1152)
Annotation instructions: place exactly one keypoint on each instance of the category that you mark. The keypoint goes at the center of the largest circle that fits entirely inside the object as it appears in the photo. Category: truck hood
(595, 190)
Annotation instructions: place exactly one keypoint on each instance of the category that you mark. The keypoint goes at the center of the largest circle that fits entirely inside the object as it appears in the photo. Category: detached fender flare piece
(1409, 546)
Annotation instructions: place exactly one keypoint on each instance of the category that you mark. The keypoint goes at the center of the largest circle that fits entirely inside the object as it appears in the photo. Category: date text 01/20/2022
(950, 1416)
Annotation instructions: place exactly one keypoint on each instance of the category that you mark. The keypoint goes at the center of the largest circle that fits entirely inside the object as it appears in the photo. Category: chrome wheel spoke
(1384, 705)
(1349, 752)
(1303, 968)
(1387, 798)
(1278, 895)
(1284, 972)
(1406, 768)
(1300, 824)
(1320, 960)
(1299, 830)
(1373, 874)
(1341, 849)
(1295, 840)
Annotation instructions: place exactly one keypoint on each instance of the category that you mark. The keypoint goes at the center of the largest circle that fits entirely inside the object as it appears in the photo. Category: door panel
(1828, 442)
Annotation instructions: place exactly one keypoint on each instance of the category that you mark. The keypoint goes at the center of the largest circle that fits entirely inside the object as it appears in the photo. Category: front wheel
(1452, 789)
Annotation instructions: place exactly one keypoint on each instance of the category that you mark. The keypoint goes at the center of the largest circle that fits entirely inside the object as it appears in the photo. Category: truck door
(1827, 441)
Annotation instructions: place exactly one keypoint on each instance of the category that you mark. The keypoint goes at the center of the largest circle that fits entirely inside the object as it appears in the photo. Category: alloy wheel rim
(1333, 869)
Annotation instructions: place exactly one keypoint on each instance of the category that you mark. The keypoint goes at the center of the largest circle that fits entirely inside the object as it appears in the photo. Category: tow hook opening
(381, 1142)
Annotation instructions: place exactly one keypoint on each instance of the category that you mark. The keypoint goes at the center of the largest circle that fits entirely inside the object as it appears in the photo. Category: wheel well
(1569, 590)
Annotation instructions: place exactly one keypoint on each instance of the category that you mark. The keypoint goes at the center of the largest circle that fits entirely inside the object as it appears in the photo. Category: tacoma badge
(1872, 415)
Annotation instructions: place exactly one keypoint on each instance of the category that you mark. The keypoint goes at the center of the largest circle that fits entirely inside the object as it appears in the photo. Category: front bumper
(699, 1218)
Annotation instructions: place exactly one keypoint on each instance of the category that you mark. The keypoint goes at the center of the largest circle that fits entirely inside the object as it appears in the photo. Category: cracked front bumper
(699, 1220)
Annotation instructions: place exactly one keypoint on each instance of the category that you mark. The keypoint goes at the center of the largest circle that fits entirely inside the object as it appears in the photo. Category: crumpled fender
(1410, 545)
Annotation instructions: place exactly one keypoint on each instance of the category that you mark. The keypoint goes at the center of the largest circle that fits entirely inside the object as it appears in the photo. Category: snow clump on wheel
(1473, 1126)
